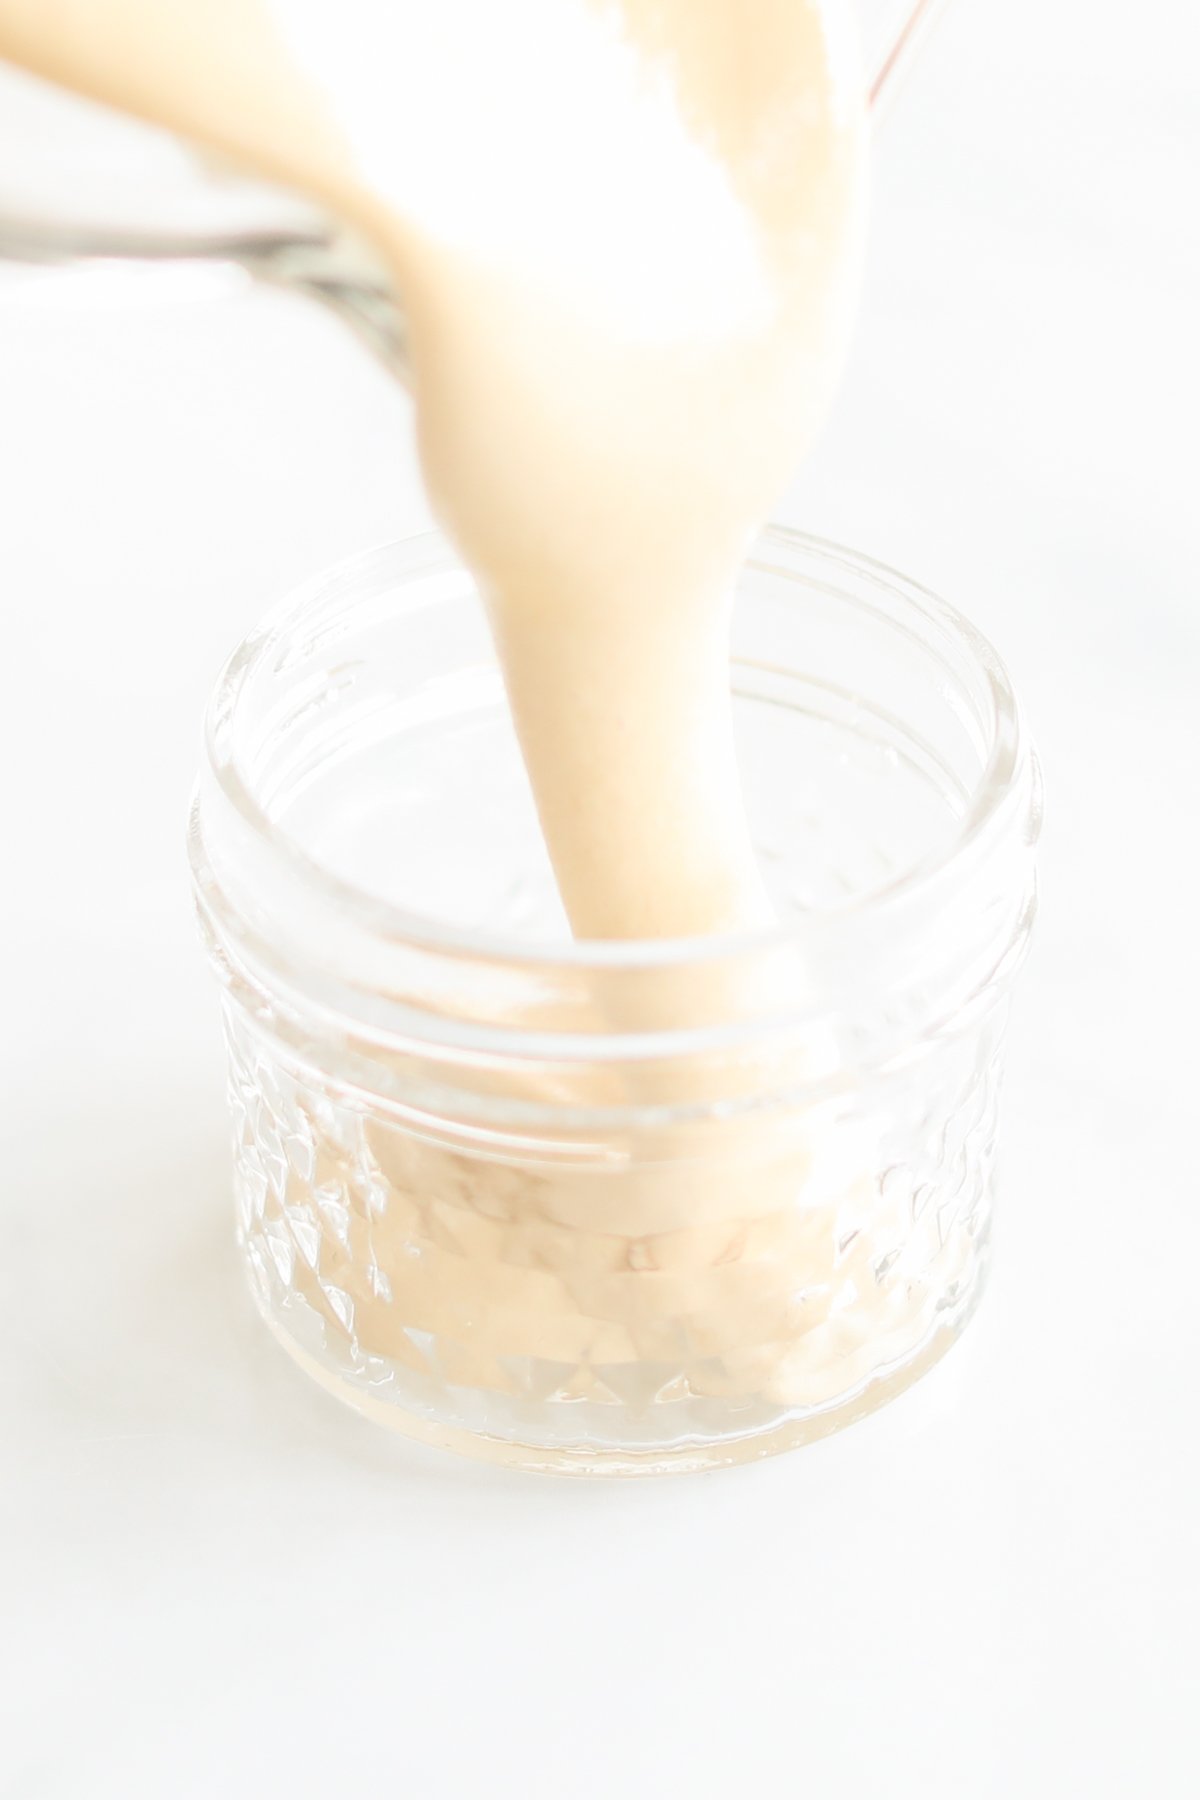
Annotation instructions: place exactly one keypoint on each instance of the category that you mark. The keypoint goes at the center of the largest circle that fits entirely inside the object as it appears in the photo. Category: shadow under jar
(613, 1208)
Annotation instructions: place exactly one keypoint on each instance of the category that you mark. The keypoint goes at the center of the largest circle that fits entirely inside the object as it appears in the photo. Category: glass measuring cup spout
(80, 182)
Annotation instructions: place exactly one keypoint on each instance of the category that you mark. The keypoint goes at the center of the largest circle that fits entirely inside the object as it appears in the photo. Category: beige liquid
(625, 235)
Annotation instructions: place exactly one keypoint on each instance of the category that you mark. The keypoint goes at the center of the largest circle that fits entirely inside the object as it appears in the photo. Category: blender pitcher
(79, 180)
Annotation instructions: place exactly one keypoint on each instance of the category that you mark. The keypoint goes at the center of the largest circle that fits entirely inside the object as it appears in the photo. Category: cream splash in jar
(626, 238)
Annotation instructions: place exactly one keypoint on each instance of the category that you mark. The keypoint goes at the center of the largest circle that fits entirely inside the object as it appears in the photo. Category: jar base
(789, 1432)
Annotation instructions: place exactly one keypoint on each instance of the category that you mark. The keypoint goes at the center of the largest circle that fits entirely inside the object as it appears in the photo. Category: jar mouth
(987, 813)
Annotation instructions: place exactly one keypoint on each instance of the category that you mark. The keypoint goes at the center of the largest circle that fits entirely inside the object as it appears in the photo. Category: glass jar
(613, 1207)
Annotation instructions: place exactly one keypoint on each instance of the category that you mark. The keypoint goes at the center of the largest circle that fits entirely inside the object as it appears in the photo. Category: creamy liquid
(625, 236)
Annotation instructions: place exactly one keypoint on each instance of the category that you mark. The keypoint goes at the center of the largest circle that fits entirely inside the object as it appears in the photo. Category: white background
(214, 1581)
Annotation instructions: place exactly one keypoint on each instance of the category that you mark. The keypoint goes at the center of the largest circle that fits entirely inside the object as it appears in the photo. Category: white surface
(215, 1581)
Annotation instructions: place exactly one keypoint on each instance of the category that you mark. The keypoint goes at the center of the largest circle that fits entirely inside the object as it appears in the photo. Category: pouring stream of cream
(626, 235)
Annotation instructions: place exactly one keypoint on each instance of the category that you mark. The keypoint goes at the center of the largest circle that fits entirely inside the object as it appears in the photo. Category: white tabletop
(217, 1582)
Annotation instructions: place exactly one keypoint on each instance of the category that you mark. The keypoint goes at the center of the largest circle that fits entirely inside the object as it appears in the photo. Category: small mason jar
(613, 1207)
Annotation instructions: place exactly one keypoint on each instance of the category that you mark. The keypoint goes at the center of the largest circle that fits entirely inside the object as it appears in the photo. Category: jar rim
(385, 920)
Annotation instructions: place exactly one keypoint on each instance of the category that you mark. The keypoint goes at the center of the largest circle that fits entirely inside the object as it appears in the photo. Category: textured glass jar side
(425, 1278)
